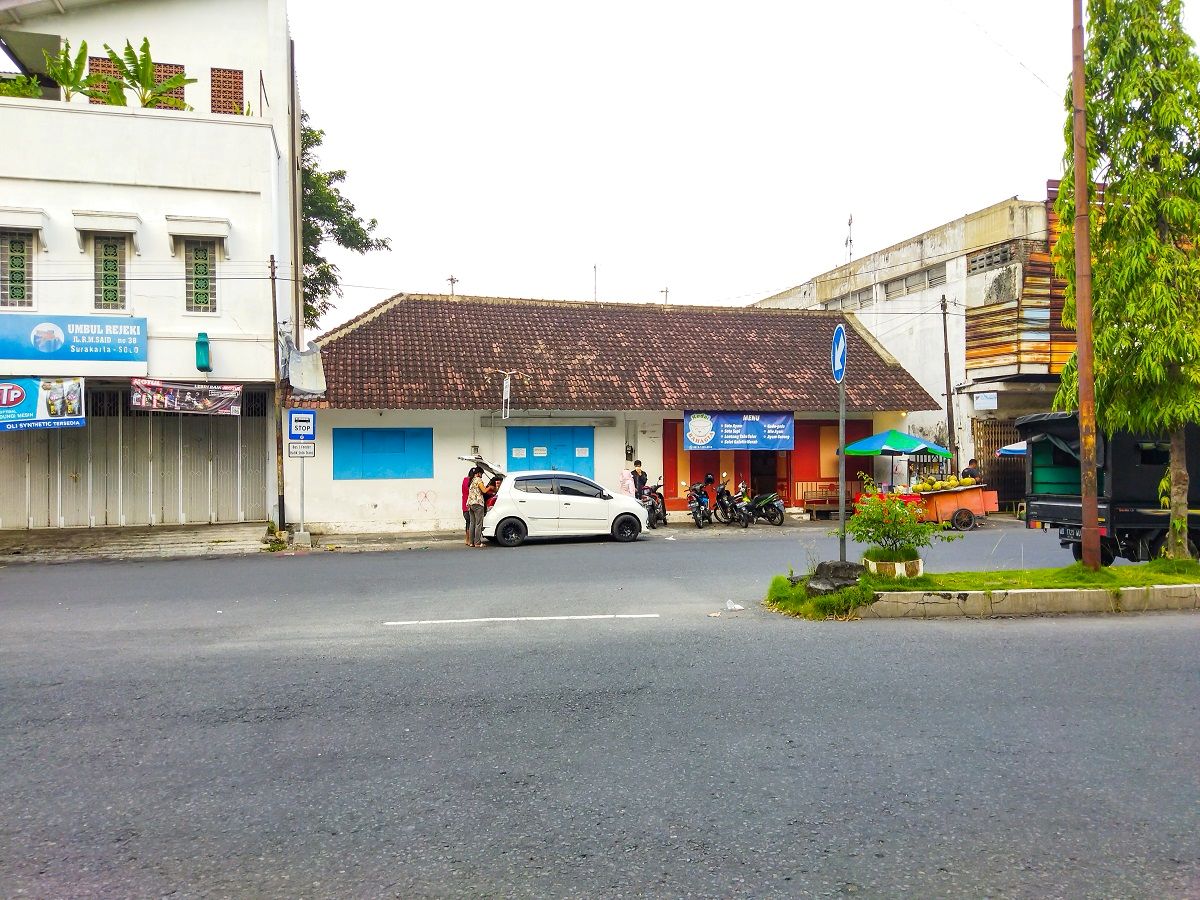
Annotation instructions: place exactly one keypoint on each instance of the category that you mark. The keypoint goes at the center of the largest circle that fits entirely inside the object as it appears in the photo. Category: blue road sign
(302, 424)
(837, 354)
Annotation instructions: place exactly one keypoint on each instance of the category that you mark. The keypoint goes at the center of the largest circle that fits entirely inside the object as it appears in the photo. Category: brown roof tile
(419, 351)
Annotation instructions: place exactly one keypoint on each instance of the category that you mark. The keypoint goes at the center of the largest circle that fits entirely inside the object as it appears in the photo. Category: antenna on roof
(850, 239)
(452, 281)
(666, 292)
(595, 276)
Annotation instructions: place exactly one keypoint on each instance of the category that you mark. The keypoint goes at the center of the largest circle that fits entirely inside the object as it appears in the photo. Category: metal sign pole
(841, 470)
(302, 461)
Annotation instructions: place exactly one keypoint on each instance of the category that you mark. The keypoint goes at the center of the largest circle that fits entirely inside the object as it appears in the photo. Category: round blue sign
(837, 354)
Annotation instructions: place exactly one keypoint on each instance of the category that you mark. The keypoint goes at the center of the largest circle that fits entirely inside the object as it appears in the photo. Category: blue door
(565, 448)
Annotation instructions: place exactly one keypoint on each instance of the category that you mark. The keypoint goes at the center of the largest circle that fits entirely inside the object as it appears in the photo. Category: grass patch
(794, 600)
(901, 554)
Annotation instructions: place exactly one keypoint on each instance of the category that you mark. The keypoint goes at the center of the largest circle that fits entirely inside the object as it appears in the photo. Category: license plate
(1070, 534)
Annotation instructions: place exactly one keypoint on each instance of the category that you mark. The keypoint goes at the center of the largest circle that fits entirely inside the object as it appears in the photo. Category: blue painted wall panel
(382, 453)
(561, 444)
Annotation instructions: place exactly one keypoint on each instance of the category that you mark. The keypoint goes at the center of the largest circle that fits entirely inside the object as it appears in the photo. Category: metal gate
(131, 467)
(1004, 474)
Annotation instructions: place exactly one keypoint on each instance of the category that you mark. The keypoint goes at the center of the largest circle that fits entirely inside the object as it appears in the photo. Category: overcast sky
(716, 149)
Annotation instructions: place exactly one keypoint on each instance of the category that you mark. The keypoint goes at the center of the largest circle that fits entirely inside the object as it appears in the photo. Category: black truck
(1133, 522)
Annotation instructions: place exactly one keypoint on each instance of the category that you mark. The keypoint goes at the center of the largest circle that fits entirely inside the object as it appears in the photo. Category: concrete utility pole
(951, 435)
(1083, 302)
(278, 399)
(452, 281)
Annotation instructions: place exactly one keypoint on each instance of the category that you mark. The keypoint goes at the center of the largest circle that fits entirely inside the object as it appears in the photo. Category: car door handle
(566, 503)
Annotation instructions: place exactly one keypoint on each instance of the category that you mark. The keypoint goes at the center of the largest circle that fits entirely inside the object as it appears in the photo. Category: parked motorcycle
(698, 504)
(729, 506)
(651, 497)
(763, 506)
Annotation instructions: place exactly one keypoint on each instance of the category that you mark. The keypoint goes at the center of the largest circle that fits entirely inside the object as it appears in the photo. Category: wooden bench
(821, 500)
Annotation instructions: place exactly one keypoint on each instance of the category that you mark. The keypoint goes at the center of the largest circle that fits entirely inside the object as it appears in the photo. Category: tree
(69, 72)
(135, 70)
(327, 216)
(1143, 115)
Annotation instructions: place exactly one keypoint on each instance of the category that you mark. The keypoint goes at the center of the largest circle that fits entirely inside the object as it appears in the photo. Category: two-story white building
(137, 332)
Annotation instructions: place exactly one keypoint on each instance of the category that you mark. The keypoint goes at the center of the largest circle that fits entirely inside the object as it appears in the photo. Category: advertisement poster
(738, 431)
(27, 403)
(170, 396)
(76, 338)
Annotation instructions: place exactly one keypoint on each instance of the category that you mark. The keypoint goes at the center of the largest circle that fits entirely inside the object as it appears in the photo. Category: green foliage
(327, 216)
(886, 522)
(1143, 119)
(109, 90)
(135, 70)
(783, 597)
(69, 72)
(20, 86)
(900, 554)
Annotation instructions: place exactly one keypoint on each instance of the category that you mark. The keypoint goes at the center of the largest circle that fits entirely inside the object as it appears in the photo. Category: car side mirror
(606, 496)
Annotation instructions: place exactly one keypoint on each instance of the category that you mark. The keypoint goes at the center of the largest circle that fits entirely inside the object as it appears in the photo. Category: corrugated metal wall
(136, 468)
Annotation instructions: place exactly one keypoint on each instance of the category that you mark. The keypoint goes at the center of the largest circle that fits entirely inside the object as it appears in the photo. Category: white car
(558, 504)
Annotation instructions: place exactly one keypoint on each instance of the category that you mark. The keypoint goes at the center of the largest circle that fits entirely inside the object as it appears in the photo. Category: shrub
(20, 86)
(888, 524)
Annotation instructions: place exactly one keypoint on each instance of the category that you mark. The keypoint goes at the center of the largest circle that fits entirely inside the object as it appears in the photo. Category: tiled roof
(419, 351)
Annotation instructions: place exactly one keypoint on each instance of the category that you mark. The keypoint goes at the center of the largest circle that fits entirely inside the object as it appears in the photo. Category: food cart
(960, 506)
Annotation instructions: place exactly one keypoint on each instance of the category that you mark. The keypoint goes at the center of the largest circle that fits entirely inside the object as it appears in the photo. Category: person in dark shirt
(639, 477)
(972, 470)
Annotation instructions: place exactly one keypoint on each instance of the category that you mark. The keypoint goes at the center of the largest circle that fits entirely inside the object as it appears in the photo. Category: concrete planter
(912, 568)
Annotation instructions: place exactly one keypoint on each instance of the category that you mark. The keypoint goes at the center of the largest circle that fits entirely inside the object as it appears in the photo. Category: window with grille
(937, 275)
(226, 92)
(894, 289)
(994, 256)
(110, 271)
(16, 253)
(200, 260)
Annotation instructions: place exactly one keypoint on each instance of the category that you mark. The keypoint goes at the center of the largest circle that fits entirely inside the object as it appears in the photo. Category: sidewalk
(59, 545)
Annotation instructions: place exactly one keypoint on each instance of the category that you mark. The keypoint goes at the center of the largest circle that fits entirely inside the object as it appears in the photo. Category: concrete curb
(1029, 602)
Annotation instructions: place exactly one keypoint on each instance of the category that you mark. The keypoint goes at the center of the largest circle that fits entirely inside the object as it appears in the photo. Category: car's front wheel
(511, 533)
(626, 528)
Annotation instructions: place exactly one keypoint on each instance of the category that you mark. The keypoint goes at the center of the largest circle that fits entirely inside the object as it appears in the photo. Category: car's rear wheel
(511, 533)
(626, 528)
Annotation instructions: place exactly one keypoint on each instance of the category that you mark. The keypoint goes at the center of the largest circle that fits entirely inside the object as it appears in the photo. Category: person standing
(477, 507)
(639, 478)
(465, 511)
(972, 470)
(626, 481)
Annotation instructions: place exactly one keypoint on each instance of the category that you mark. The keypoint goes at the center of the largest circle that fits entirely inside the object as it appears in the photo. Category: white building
(1006, 342)
(417, 382)
(135, 243)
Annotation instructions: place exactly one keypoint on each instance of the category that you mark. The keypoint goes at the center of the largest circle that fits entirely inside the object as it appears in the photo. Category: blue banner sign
(738, 431)
(75, 338)
(27, 403)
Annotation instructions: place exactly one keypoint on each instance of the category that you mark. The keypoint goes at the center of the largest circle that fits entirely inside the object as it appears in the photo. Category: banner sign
(27, 403)
(738, 431)
(75, 338)
(170, 396)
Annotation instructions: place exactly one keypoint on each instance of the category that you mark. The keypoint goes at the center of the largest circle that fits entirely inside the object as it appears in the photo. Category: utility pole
(1090, 532)
(595, 277)
(666, 292)
(452, 281)
(951, 435)
(278, 399)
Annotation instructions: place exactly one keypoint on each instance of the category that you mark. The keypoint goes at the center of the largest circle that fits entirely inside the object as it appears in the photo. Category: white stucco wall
(160, 163)
(432, 504)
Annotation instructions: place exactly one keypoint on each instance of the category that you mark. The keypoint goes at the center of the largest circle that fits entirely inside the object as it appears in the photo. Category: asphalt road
(253, 727)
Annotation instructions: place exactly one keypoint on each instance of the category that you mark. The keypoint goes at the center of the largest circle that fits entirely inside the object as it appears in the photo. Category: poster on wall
(76, 338)
(171, 396)
(738, 431)
(28, 403)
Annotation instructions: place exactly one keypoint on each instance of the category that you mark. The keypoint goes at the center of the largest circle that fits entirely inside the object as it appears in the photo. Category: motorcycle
(652, 500)
(763, 506)
(728, 508)
(698, 503)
